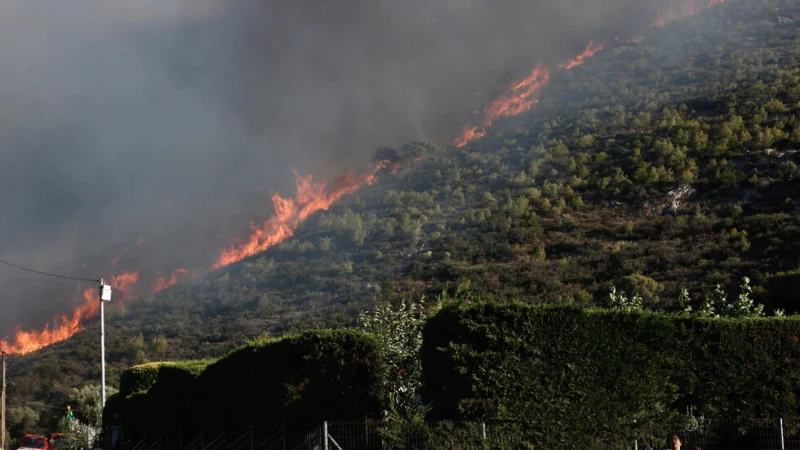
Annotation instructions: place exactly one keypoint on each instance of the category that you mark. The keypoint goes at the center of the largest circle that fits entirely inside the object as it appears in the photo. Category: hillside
(664, 162)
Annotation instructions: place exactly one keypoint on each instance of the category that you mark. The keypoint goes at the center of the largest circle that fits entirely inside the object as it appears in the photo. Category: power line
(49, 274)
(39, 404)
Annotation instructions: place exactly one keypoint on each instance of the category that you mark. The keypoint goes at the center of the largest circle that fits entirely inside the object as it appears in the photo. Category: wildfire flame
(519, 98)
(590, 51)
(689, 8)
(162, 282)
(289, 213)
(64, 326)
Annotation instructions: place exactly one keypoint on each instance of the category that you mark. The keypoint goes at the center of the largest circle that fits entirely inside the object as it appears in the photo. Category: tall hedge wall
(331, 374)
(573, 374)
(312, 376)
(583, 376)
(739, 369)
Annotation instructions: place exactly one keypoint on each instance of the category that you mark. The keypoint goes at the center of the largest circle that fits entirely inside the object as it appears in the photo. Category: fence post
(782, 445)
(325, 435)
(251, 435)
(483, 433)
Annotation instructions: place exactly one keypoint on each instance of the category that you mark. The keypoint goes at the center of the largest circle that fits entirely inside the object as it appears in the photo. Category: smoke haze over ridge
(168, 121)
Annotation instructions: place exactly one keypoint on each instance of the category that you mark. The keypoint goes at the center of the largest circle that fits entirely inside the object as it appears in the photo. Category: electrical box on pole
(105, 293)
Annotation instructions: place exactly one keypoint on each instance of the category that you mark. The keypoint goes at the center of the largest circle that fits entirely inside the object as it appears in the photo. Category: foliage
(88, 403)
(77, 439)
(20, 421)
(598, 378)
(622, 302)
(305, 377)
(743, 306)
(400, 331)
(143, 377)
(581, 376)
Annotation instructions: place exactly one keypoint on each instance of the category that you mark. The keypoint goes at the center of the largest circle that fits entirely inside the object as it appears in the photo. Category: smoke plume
(147, 134)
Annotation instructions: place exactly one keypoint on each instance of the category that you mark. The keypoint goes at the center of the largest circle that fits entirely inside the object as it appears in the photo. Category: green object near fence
(70, 418)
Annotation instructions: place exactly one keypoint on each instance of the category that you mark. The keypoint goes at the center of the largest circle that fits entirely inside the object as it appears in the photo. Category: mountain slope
(664, 162)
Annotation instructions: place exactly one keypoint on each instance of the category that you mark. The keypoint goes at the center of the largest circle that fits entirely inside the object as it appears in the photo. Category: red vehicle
(34, 442)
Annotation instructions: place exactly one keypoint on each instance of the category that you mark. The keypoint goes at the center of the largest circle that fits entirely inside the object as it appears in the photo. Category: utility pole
(3, 402)
(105, 296)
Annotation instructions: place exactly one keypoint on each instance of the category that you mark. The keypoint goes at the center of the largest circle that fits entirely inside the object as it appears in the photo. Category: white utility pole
(105, 296)
(3, 402)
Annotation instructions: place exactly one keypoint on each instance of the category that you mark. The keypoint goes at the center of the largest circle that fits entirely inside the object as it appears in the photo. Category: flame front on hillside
(64, 326)
(289, 213)
(311, 197)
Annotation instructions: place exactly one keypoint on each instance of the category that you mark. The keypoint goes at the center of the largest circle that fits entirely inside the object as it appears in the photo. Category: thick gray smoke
(168, 121)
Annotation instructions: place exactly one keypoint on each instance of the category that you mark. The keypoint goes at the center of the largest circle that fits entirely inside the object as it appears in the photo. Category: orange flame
(162, 283)
(124, 281)
(469, 135)
(289, 213)
(64, 326)
(589, 52)
(689, 8)
(519, 98)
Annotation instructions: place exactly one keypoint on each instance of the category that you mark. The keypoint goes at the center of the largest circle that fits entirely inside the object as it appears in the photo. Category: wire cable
(49, 274)
(38, 404)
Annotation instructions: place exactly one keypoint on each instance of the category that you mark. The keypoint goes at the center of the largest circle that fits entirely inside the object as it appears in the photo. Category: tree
(621, 301)
(642, 286)
(744, 306)
(400, 330)
(20, 421)
(87, 400)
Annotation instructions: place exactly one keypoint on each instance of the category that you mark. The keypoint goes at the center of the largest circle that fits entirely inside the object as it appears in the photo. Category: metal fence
(752, 434)
(696, 434)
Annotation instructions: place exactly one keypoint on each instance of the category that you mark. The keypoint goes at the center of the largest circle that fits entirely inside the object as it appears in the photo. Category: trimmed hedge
(156, 395)
(581, 377)
(576, 376)
(305, 377)
(739, 369)
(142, 377)
(309, 377)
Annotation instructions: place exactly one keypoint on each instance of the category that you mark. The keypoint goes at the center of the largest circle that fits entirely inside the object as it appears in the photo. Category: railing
(757, 434)
(751, 434)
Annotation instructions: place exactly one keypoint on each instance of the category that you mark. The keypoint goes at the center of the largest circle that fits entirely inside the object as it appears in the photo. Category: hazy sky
(168, 121)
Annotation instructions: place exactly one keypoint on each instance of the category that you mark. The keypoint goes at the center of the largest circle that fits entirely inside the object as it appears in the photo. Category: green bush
(312, 376)
(142, 377)
(584, 376)
(576, 376)
(739, 369)
(156, 397)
